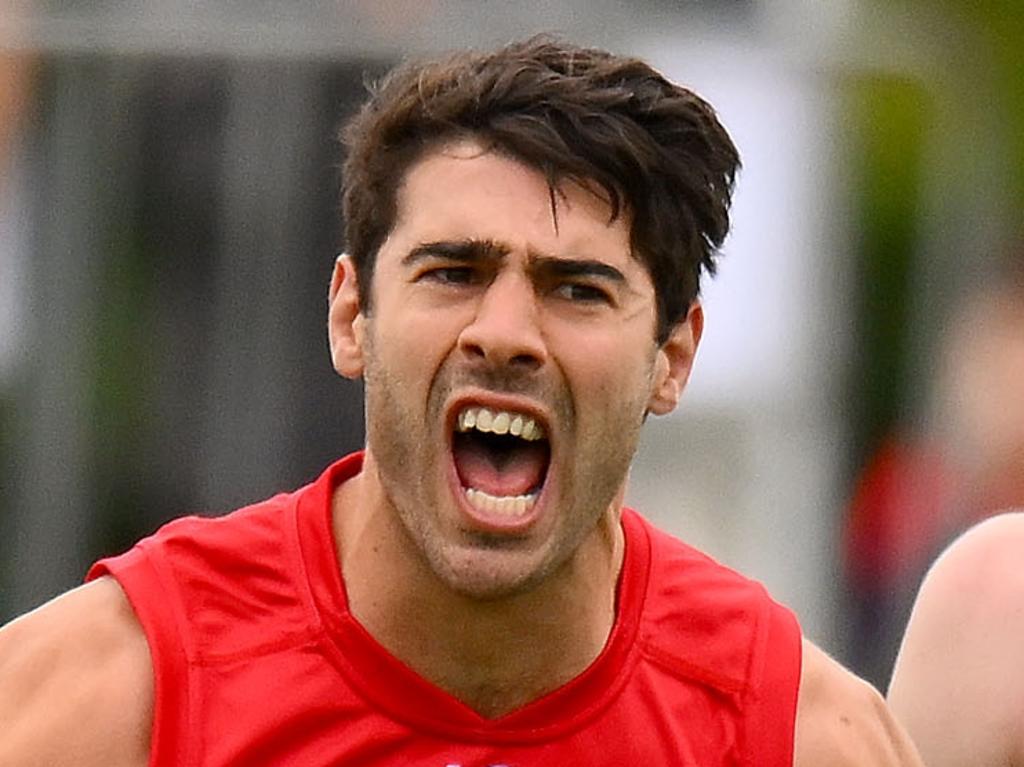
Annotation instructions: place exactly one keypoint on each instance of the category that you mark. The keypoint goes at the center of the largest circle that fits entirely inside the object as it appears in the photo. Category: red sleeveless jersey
(258, 661)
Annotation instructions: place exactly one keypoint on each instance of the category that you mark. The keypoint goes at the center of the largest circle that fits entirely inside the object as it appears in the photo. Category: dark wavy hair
(656, 149)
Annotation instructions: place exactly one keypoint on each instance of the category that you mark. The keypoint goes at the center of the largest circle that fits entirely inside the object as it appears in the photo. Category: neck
(494, 655)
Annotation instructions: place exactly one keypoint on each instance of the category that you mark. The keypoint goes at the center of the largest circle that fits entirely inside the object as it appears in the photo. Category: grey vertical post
(74, 168)
(249, 404)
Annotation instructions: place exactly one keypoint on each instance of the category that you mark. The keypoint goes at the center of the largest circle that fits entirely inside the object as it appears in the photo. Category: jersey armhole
(156, 608)
(773, 691)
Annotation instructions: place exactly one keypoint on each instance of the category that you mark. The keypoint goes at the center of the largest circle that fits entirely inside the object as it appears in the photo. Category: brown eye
(450, 275)
(583, 293)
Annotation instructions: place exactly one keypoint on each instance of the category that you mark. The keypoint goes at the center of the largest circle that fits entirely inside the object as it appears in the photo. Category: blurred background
(168, 223)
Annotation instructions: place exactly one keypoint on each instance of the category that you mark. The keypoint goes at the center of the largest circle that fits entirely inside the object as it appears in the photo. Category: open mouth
(501, 458)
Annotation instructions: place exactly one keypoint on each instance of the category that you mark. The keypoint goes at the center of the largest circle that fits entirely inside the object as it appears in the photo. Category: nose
(505, 329)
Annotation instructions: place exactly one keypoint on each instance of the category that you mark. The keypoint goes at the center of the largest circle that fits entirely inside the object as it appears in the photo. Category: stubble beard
(403, 442)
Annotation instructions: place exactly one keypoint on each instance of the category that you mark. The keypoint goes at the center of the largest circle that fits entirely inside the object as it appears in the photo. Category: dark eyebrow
(457, 250)
(475, 251)
(573, 267)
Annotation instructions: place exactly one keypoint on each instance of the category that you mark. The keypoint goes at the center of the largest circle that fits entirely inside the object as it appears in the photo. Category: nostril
(474, 350)
(524, 360)
(496, 355)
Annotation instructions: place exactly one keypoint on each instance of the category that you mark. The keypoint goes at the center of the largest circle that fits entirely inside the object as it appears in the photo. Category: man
(958, 685)
(525, 231)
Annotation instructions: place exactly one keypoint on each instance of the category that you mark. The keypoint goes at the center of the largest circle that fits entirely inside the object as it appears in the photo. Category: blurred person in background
(921, 490)
(958, 684)
(526, 232)
(981, 412)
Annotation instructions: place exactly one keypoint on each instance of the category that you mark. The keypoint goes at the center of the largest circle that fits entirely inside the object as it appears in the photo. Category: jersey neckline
(395, 689)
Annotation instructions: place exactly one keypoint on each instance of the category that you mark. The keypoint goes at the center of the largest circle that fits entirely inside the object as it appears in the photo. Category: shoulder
(979, 570)
(76, 679)
(678, 569)
(975, 589)
(711, 618)
(957, 684)
(258, 525)
(843, 721)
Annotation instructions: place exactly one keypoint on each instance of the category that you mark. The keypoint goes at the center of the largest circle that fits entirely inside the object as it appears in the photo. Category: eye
(583, 293)
(449, 275)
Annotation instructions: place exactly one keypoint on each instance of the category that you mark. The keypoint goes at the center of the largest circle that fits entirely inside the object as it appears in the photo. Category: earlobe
(345, 319)
(675, 360)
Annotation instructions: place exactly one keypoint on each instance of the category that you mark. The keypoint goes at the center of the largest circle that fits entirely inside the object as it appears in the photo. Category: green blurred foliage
(974, 80)
(1000, 23)
(889, 116)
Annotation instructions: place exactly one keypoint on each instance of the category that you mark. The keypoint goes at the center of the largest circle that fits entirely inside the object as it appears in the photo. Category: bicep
(76, 683)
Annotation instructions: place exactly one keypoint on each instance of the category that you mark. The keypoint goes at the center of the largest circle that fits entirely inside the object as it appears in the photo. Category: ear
(345, 320)
(674, 362)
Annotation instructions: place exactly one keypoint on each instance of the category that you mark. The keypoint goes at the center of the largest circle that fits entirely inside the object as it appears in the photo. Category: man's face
(509, 360)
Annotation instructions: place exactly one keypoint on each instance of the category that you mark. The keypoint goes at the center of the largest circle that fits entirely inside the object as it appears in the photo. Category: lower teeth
(506, 506)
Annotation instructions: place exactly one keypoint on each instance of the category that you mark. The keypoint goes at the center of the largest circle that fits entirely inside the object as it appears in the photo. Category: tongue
(506, 473)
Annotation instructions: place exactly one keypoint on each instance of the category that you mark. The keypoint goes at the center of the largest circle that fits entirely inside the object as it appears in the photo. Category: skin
(76, 683)
(958, 684)
(505, 329)
(534, 606)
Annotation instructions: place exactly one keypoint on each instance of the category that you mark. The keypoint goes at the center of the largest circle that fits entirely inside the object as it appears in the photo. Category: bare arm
(958, 685)
(842, 721)
(76, 683)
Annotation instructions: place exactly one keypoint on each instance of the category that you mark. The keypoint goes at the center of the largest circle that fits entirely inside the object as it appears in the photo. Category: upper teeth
(500, 422)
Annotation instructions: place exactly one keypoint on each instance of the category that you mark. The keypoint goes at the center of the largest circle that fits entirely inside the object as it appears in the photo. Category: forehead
(463, 191)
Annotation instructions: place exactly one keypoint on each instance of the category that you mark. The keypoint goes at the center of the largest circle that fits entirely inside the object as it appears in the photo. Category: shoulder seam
(683, 669)
(305, 638)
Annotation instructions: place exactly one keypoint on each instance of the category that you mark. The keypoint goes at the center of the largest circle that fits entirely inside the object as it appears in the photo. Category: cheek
(611, 375)
(412, 340)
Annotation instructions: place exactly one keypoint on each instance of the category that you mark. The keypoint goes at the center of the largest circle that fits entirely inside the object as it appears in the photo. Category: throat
(500, 465)
(508, 652)
(502, 665)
